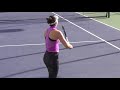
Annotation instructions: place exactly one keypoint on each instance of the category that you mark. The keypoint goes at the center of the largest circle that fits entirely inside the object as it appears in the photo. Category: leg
(53, 69)
(52, 64)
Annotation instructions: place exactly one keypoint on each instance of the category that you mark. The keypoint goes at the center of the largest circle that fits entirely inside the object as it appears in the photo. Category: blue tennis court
(96, 51)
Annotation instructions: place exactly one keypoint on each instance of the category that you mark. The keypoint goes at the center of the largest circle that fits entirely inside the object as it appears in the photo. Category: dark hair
(51, 19)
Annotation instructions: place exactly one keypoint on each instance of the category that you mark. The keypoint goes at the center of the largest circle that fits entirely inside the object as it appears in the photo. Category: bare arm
(63, 40)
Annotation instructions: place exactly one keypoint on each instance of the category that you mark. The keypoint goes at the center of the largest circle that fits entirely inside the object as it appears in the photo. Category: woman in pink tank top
(52, 38)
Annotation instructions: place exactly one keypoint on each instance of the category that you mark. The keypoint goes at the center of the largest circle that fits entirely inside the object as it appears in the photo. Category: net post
(108, 14)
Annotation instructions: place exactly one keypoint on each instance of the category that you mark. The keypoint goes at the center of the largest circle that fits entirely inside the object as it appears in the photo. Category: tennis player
(53, 37)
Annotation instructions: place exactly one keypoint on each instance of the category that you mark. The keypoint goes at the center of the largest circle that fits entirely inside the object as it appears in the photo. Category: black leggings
(52, 63)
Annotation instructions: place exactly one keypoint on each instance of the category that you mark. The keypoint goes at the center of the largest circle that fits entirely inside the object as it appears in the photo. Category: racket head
(65, 33)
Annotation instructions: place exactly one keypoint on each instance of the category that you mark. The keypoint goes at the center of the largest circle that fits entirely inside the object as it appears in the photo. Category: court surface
(96, 52)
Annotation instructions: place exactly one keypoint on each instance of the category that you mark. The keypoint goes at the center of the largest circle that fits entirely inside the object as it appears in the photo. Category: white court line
(99, 21)
(87, 31)
(42, 44)
(85, 42)
(22, 45)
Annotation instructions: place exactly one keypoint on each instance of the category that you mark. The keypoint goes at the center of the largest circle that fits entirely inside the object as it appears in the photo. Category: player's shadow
(10, 30)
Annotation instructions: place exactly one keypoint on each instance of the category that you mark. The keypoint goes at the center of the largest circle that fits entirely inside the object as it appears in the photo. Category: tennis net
(93, 14)
(115, 13)
(40, 17)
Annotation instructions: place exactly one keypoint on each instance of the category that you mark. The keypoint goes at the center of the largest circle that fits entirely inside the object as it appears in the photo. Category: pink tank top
(51, 45)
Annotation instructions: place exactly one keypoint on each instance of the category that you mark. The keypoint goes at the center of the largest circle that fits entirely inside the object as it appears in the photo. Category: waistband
(52, 52)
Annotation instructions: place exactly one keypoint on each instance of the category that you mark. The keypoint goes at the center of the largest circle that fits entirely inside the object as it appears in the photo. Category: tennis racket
(65, 33)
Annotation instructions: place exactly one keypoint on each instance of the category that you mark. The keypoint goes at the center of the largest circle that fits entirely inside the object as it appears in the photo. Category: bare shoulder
(58, 32)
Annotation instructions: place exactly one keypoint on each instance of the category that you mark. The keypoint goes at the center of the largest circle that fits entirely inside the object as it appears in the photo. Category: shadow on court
(10, 30)
(60, 49)
(107, 54)
(43, 20)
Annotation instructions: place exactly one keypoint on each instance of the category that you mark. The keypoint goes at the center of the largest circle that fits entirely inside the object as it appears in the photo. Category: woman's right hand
(70, 46)
(62, 39)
